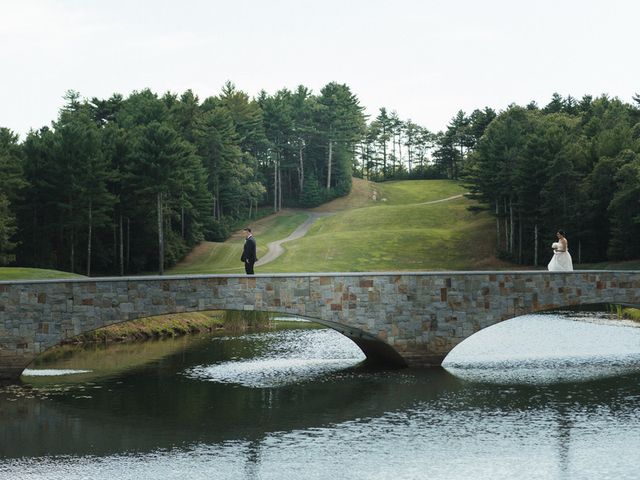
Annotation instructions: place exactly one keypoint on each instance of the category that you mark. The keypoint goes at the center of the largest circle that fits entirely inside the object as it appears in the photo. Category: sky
(424, 59)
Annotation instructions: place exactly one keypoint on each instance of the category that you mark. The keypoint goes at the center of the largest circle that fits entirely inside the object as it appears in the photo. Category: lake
(554, 396)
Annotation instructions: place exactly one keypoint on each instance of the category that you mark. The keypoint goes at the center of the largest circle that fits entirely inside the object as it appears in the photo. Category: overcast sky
(425, 59)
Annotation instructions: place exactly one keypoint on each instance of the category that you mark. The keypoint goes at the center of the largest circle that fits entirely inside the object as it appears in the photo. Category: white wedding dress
(561, 260)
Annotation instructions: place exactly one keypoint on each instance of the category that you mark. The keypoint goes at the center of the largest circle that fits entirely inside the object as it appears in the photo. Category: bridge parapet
(412, 318)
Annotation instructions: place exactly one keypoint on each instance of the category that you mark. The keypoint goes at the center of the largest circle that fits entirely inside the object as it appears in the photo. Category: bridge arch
(377, 352)
(542, 309)
(419, 316)
(535, 338)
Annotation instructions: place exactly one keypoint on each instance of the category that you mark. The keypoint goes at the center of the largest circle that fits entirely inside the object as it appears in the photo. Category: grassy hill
(401, 230)
(389, 226)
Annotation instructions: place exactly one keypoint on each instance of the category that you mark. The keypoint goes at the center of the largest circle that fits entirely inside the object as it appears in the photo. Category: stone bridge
(407, 318)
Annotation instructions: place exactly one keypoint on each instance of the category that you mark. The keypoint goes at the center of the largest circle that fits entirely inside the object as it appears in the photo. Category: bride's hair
(561, 232)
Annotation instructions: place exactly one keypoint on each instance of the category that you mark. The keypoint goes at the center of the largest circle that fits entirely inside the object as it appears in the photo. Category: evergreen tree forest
(126, 185)
(571, 165)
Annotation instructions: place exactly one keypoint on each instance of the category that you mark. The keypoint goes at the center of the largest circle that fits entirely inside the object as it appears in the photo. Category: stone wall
(407, 318)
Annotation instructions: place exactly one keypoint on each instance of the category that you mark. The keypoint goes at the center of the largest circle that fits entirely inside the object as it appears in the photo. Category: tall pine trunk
(498, 223)
(329, 162)
(89, 239)
(520, 238)
(301, 169)
(279, 188)
(400, 150)
(535, 245)
(73, 252)
(275, 184)
(160, 235)
(393, 145)
(579, 252)
(182, 217)
(114, 230)
(384, 152)
(511, 224)
(121, 249)
(36, 250)
(506, 226)
(128, 242)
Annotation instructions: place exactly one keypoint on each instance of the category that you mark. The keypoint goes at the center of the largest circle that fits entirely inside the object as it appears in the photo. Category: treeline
(124, 185)
(396, 149)
(572, 165)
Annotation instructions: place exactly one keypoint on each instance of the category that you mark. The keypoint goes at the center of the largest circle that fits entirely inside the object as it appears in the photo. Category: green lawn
(394, 232)
(225, 257)
(625, 265)
(417, 191)
(20, 273)
(393, 237)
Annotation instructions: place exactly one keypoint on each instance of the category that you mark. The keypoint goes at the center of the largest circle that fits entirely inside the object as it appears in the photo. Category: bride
(561, 261)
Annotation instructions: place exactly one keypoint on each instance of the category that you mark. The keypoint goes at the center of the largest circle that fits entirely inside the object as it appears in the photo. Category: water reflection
(547, 349)
(293, 357)
(51, 372)
(204, 411)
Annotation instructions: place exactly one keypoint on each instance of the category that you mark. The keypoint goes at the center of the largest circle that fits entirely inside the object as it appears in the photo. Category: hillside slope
(403, 230)
(407, 225)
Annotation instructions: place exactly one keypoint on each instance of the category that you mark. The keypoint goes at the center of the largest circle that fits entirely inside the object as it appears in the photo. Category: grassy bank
(101, 360)
(162, 326)
(631, 314)
(175, 325)
(23, 273)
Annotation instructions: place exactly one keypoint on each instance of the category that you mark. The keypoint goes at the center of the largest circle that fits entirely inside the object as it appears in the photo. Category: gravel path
(441, 200)
(276, 249)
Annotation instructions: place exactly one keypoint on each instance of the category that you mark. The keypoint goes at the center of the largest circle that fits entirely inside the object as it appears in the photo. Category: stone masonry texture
(421, 316)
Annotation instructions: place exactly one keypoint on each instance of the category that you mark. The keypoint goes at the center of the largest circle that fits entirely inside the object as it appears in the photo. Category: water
(544, 396)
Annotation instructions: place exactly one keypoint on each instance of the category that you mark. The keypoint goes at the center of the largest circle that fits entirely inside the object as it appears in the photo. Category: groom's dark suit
(249, 254)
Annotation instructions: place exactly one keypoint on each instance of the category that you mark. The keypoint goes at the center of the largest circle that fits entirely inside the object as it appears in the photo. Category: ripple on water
(51, 372)
(268, 372)
(479, 431)
(293, 356)
(542, 349)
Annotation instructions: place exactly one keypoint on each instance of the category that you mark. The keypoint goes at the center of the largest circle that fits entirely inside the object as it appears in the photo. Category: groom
(249, 252)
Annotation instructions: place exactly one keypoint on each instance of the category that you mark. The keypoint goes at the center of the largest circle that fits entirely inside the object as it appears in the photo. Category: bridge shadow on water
(154, 405)
(145, 410)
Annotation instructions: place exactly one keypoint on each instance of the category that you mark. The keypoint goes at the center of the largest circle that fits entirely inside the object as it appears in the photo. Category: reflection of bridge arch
(412, 318)
(571, 307)
(376, 350)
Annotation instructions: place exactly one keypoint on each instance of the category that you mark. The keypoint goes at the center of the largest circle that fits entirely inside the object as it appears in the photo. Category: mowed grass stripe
(417, 191)
(396, 217)
(411, 237)
(434, 249)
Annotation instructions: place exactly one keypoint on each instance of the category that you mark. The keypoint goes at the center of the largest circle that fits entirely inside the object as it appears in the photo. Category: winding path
(441, 200)
(275, 249)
